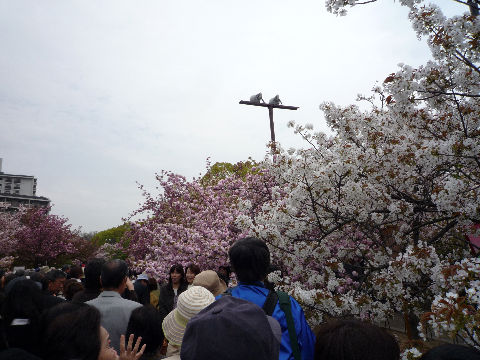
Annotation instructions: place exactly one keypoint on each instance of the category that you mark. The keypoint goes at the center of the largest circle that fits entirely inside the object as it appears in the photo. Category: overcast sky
(98, 95)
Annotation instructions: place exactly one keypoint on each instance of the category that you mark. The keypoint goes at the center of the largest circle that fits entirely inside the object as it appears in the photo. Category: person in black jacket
(169, 292)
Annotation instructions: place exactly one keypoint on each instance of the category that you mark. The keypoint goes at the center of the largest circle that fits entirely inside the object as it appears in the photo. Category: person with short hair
(70, 288)
(114, 309)
(93, 286)
(146, 322)
(56, 279)
(250, 259)
(76, 272)
(141, 289)
(355, 340)
(451, 352)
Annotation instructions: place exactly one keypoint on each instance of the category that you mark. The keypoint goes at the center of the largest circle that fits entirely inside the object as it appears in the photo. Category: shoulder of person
(130, 303)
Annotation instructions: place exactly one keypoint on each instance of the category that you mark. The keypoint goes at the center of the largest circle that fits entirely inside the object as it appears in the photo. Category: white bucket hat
(189, 304)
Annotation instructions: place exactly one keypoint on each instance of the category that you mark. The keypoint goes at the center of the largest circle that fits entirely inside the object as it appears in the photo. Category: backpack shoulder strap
(286, 307)
(270, 303)
(227, 292)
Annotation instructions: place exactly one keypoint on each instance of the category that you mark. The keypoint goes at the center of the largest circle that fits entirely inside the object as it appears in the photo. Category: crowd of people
(98, 313)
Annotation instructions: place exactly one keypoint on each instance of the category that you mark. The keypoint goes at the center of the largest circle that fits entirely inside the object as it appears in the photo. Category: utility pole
(274, 103)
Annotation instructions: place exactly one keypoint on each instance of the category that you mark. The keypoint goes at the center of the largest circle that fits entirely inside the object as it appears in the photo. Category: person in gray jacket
(114, 309)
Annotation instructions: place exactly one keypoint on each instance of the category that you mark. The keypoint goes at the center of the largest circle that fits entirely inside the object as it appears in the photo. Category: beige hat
(189, 304)
(209, 280)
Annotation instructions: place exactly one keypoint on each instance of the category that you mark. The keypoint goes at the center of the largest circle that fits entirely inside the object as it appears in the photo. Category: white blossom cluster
(366, 221)
(410, 354)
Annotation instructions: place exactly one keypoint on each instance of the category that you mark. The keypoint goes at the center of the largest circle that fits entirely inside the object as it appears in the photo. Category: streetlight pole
(270, 107)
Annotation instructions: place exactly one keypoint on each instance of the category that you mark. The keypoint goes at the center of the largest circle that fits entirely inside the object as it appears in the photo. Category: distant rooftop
(16, 175)
(18, 196)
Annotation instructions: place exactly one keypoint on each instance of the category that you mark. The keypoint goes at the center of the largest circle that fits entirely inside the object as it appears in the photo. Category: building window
(17, 181)
(17, 192)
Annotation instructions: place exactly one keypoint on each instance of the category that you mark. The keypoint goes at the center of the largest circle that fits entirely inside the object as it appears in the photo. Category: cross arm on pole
(269, 105)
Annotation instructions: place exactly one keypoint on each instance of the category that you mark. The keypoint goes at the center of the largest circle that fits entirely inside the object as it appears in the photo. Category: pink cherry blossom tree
(34, 237)
(194, 221)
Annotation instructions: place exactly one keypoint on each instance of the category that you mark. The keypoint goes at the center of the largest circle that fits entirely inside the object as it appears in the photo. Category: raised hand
(129, 353)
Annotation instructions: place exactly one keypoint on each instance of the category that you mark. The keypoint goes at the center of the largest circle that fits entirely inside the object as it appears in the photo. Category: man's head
(56, 279)
(355, 340)
(92, 273)
(114, 275)
(250, 259)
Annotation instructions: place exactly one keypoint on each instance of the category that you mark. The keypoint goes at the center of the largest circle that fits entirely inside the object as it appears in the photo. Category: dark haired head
(24, 300)
(76, 272)
(179, 269)
(71, 331)
(146, 322)
(70, 288)
(56, 279)
(152, 284)
(193, 268)
(250, 259)
(55, 274)
(92, 273)
(354, 340)
(113, 274)
(451, 352)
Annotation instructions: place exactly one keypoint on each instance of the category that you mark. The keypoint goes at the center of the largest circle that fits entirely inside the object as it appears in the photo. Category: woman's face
(106, 351)
(176, 277)
(190, 275)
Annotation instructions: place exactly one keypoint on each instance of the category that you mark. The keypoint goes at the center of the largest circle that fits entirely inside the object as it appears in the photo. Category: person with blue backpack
(250, 259)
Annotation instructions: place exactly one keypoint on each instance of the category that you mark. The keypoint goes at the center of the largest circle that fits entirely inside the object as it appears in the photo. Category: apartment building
(17, 190)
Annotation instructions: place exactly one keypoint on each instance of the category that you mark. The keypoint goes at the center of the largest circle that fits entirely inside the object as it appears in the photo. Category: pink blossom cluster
(194, 221)
(34, 237)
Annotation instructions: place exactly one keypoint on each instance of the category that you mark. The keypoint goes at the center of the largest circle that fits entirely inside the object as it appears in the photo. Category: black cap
(231, 328)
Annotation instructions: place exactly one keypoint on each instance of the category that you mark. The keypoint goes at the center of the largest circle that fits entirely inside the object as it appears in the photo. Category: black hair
(354, 340)
(24, 300)
(146, 322)
(113, 273)
(36, 276)
(451, 352)
(93, 270)
(55, 274)
(17, 354)
(71, 331)
(71, 287)
(176, 268)
(193, 268)
(76, 272)
(152, 284)
(250, 259)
